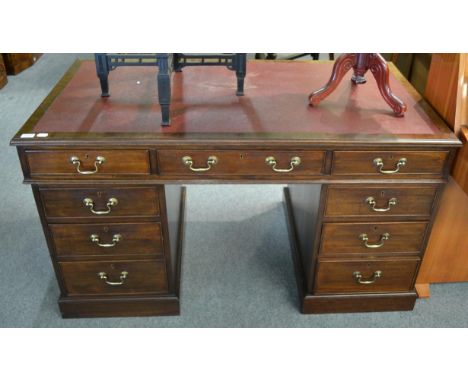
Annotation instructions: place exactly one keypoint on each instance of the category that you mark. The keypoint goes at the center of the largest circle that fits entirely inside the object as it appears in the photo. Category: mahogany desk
(107, 179)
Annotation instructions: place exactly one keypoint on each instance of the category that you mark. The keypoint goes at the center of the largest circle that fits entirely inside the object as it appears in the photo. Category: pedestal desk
(363, 185)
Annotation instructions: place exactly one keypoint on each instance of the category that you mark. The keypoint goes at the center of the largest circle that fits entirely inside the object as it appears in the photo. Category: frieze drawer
(244, 163)
(86, 164)
(388, 163)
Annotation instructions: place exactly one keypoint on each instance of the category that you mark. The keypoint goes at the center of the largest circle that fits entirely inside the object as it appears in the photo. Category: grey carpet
(237, 268)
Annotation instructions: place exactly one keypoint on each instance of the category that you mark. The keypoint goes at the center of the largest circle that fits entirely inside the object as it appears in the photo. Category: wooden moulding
(119, 307)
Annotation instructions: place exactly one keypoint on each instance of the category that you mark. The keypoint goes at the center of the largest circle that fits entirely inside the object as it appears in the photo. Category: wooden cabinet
(363, 185)
(445, 259)
(3, 73)
(17, 62)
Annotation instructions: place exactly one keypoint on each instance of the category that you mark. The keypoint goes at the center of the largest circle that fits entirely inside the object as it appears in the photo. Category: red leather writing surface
(204, 100)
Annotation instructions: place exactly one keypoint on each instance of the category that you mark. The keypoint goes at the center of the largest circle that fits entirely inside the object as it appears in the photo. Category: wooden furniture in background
(3, 73)
(442, 86)
(17, 62)
(414, 66)
(460, 169)
(362, 190)
(446, 258)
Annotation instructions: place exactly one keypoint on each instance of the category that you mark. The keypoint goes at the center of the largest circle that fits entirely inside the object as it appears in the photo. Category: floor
(237, 268)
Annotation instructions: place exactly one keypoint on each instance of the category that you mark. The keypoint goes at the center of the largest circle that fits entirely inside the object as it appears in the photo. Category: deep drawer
(349, 276)
(232, 162)
(100, 202)
(372, 238)
(88, 163)
(352, 201)
(107, 239)
(388, 163)
(114, 277)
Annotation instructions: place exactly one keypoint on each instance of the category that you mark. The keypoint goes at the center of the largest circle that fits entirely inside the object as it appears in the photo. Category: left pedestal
(115, 247)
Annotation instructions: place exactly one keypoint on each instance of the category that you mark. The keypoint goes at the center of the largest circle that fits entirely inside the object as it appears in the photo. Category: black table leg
(240, 65)
(176, 62)
(102, 70)
(164, 88)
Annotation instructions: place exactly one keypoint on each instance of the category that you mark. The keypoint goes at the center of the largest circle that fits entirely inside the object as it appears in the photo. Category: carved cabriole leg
(102, 70)
(344, 63)
(241, 68)
(164, 88)
(379, 69)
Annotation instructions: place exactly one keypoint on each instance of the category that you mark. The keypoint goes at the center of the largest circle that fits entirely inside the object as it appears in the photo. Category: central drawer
(100, 202)
(106, 239)
(370, 276)
(372, 238)
(114, 277)
(233, 162)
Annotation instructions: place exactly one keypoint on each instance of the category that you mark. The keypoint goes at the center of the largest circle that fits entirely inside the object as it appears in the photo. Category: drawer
(88, 163)
(100, 202)
(106, 239)
(371, 276)
(114, 277)
(388, 163)
(232, 162)
(352, 201)
(372, 238)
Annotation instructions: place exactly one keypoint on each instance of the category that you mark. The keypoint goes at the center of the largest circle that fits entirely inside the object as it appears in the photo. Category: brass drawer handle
(88, 202)
(378, 162)
(77, 162)
(211, 161)
(271, 161)
(358, 277)
(365, 239)
(391, 202)
(123, 276)
(115, 239)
